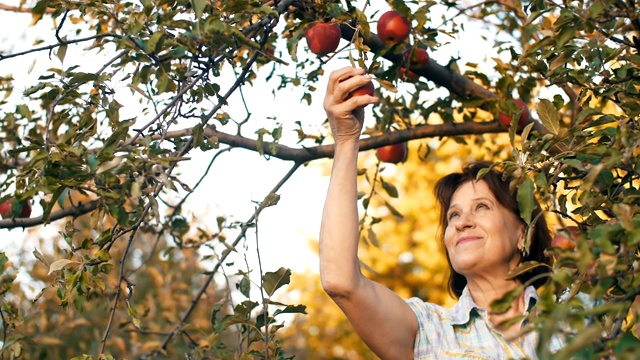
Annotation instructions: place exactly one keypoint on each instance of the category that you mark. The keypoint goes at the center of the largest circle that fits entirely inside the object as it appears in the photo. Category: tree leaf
(373, 238)
(523, 268)
(548, 115)
(38, 256)
(58, 265)
(387, 85)
(198, 7)
(525, 199)
(503, 304)
(390, 189)
(244, 286)
(272, 281)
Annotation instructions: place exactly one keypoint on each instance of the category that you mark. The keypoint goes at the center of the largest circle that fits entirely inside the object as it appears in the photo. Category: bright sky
(240, 179)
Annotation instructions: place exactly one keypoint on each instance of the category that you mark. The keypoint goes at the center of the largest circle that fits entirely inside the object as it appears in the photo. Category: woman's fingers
(342, 83)
(340, 75)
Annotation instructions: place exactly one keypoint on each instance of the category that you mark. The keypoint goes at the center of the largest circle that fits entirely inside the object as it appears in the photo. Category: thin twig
(49, 47)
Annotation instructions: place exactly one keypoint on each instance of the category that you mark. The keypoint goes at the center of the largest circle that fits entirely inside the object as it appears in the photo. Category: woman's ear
(521, 238)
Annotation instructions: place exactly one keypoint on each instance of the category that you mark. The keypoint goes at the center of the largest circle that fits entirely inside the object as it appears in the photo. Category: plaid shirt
(464, 332)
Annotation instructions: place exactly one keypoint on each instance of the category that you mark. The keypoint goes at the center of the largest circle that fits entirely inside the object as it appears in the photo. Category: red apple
(566, 238)
(323, 38)
(394, 153)
(525, 115)
(393, 27)
(6, 209)
(416, 58)
(408, 75)
(366, 89)
(586, 120)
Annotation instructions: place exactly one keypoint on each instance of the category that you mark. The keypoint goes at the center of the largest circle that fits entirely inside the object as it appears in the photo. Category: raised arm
(383, 320)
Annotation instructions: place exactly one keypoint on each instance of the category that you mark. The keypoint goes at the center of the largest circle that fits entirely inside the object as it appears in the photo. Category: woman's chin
(464, 265)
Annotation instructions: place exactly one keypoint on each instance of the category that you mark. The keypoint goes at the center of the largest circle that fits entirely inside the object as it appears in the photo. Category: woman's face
(482, 236)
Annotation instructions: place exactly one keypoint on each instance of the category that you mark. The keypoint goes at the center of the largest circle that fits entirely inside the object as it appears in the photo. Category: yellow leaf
(387, 85)
(58, 265)
(47, 340)
(150, 345)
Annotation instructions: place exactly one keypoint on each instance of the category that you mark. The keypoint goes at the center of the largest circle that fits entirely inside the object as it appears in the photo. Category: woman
(483, 236)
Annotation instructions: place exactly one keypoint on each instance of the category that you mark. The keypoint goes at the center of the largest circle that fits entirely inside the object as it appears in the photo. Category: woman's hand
(346, 112)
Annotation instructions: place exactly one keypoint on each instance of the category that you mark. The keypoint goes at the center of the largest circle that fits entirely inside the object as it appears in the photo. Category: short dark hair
(499, 184)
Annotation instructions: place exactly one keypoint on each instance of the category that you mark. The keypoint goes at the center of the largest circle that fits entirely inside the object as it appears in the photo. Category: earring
(523, 251)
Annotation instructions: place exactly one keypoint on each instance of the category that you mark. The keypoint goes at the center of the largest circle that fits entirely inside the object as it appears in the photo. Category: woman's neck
(484, 293)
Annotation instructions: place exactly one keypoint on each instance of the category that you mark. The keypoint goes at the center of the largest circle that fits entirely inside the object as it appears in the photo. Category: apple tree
(561, 83)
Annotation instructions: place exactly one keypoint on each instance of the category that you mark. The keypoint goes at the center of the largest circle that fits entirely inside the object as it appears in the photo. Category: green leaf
(198, 7)
(548, 115)
(54, 198)
(291, 309)
(584, 338)
(524, 268)
(526, 200)
(152, 43)
(3, 261)
(393, 210)
(390, 189)
(503, 304)
(373, 238)
(272, 281)
(244, 286)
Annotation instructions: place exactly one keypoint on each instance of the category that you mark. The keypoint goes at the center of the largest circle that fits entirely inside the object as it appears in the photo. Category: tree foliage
(70, 146)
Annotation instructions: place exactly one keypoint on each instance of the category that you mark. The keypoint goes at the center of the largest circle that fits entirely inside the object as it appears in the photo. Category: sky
(240, 179)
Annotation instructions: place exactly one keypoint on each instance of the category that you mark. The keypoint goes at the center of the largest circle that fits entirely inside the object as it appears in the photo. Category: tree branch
(73, 211)
(53, 46)
(457, 84)
(20, 9)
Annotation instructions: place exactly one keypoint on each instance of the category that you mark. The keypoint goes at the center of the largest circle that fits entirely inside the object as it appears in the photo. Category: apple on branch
(408, 75)
(394, 153)
(525, 115)
(393, 27)
(566, 238)
(416, 58)
(323, 38)
(11, 208)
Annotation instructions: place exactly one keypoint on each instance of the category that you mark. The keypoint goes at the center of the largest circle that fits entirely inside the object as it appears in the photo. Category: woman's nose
(465, 221)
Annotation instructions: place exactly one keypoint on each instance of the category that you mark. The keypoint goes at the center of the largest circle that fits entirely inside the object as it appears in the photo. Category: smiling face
(482, 237)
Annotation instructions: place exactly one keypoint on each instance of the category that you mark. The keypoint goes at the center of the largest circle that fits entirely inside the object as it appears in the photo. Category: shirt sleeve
(429, 336)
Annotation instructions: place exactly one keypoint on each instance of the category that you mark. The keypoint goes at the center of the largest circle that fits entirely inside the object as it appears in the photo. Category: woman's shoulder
(428, 311)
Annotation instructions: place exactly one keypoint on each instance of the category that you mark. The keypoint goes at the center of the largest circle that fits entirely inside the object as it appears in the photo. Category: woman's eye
(452, 215)
(482, 206)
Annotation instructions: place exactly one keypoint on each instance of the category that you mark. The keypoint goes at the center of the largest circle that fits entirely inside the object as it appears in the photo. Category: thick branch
(75, 211)
(456, 83)
(302, 155)
(20, 9)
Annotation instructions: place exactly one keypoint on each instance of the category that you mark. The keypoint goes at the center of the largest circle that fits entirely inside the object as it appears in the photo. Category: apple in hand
(525, 115)
(393, 27)
(323, 38)
(366, 89)
(416, 58)
(394, 153)
(6, 209)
